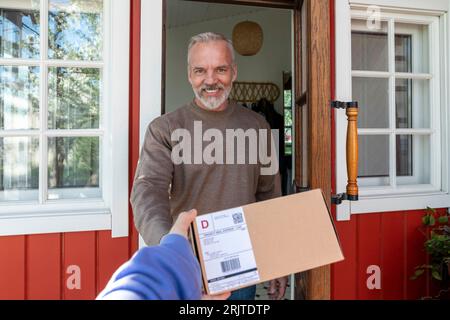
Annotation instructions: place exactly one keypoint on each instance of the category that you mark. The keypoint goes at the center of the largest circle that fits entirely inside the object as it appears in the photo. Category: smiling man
(163, 188)
(211, 71)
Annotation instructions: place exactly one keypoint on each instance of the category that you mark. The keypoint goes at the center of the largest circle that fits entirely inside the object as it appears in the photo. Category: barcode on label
(230, 265)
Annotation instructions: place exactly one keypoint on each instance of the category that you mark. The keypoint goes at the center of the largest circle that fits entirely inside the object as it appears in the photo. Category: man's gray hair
(208, 37)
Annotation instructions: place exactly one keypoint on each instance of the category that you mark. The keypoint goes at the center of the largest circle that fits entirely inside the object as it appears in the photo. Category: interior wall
(266, 66)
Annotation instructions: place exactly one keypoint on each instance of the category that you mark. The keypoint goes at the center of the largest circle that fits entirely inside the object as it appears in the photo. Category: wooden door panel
(313, 91)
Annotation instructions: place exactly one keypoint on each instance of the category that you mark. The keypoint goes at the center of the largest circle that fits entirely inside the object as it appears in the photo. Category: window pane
(288, 117)
(412, 103)
(288, 141)
(411, 48)
(19, 30)
(19, 97)
(413, 159)
(73, 167)
(288, 98)
(373, 97)
(373, 156)
(403, 53)
(74, 98)
(75, 29)
(369, 46)
(287, 135)
(19, 168)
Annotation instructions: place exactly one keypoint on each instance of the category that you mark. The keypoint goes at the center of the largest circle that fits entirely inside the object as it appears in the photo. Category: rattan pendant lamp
(247, 38)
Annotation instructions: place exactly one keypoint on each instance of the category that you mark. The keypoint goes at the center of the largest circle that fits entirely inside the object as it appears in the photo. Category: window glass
(19, 31)
(369, 47)
(412, 103)
(372, 95)
(373, 156)
(19, 168)
(73, 167)
(413, 159)
(75, 29)
(19, 97)
(73, 98)
(411, 48)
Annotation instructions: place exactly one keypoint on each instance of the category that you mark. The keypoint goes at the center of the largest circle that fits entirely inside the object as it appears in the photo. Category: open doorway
(264, 81)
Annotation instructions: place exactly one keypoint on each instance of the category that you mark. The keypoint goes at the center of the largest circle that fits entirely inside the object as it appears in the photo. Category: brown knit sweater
(162, 189)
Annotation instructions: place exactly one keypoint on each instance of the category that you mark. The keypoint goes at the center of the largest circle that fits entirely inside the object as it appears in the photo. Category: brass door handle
(352, 153)
(351, 110)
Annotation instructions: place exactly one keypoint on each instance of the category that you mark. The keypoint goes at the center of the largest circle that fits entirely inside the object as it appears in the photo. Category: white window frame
(111, 211)
(384, 199)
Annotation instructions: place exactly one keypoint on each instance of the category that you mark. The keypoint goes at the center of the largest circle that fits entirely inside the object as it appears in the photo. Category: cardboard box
(266, 240)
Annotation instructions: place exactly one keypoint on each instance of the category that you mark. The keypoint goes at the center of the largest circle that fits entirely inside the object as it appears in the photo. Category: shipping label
(227, 250)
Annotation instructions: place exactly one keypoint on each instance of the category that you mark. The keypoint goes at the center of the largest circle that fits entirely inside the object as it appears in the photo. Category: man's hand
(181, 225)
(277, 288)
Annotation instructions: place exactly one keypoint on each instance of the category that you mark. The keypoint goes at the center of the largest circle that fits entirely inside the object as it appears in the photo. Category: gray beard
(213, 103)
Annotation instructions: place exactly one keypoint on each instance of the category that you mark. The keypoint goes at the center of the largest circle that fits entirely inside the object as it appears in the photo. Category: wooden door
(312, 136)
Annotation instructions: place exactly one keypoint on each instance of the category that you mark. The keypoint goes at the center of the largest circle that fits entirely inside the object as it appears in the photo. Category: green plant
(437, 246)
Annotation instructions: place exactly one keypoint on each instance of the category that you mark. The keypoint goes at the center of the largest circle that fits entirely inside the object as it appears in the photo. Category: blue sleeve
(169, 271)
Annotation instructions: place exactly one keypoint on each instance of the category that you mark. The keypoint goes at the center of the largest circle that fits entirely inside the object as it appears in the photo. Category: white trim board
(23, 225)
(151, 64)
(432, 5)
(151, 67)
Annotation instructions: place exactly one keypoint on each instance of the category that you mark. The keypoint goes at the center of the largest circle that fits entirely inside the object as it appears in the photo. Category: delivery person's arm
(150, 193)
(165, 272)
(169, 271)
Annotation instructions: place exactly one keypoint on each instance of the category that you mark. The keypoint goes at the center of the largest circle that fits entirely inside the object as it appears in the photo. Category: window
(397, 72)
(393, 85)
(287, 107)
(59, 112)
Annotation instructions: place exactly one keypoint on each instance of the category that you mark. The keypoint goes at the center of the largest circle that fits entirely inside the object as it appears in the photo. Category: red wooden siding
(35, 266)
(414, 256)
(12, 267)
(135, 65)
(43, 268)
(394, 242)
(80, 249)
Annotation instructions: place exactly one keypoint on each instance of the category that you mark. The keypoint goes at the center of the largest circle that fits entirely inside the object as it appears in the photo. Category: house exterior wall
(36, 266)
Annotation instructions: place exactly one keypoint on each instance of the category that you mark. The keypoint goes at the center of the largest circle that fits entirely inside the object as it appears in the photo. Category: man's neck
(220, 108)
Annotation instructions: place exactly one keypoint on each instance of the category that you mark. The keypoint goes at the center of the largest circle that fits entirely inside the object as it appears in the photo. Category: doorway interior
(272, 65)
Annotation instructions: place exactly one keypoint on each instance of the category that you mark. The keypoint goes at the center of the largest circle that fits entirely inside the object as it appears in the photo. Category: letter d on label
(205, 224)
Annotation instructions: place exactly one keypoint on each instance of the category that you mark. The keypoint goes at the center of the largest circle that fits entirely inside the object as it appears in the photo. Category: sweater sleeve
(150, 192)
(169, 271)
